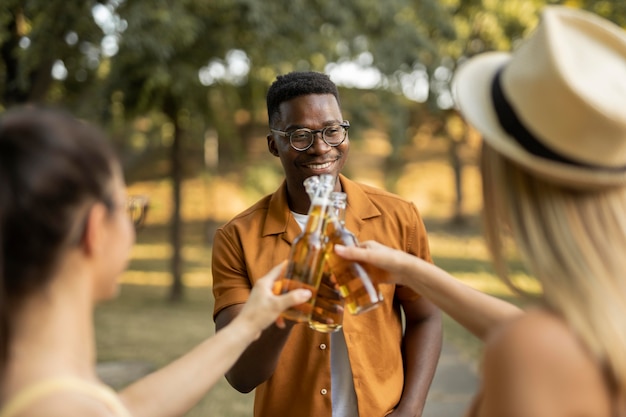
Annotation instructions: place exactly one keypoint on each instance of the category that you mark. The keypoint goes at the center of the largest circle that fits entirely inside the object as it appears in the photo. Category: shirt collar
(279, 220)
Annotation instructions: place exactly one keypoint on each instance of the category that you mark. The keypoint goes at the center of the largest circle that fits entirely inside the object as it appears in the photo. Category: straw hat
(557, 105)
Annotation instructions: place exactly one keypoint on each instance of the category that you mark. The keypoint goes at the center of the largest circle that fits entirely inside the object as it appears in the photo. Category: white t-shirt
(342, 384)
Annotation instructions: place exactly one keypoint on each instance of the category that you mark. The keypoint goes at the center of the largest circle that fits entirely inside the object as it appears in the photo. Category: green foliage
(614, 10)
(34, 35)
(144, 60)
(162, 45)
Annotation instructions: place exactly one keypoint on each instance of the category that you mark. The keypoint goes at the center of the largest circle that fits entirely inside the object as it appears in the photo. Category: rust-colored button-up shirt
(248, 246)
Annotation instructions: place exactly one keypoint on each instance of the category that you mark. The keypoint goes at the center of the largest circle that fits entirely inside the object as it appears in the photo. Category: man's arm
(420, 351)
(232, 284)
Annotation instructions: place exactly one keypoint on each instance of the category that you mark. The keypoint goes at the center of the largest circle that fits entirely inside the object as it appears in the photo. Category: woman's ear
(93, 238)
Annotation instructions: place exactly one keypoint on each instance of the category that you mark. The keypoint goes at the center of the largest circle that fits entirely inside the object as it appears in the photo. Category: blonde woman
(65, 238)
(553, 119)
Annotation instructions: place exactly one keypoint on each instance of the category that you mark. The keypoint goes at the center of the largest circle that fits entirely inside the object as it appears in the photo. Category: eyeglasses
(137, 209)
(302, 139)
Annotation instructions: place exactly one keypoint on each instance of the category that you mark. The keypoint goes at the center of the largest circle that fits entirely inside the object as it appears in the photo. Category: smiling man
(377, 364)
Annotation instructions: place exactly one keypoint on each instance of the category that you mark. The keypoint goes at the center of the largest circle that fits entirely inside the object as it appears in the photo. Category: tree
(49, 49)
(484, 25)
(156, 69)
(119, 60)
(165, 45)
(480, 26)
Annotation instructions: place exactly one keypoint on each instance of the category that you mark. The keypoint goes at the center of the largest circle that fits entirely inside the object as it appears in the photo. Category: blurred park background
(179, 86)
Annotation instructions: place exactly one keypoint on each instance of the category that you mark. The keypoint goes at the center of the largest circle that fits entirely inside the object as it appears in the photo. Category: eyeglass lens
(137, 208)
(332, 135)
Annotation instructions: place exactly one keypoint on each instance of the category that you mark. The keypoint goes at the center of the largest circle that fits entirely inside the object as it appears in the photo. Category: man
(369, 368)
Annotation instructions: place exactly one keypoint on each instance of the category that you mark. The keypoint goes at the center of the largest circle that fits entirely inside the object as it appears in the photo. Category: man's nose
(319, 145)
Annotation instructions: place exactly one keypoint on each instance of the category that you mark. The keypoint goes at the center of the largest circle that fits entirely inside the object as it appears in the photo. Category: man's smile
(320, 166)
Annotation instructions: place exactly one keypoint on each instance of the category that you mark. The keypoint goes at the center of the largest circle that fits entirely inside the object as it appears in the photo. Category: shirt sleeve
(416, 243)
(231, 284)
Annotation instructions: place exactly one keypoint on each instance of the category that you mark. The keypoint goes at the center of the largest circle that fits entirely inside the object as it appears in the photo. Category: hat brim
(472, 89)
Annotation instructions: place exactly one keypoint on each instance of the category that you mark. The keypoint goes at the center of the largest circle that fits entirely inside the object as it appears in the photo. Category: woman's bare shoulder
(535, 337)
(67, 404)
(535, 366)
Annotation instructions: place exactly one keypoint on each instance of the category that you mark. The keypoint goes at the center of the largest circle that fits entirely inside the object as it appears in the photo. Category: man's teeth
(320, 166)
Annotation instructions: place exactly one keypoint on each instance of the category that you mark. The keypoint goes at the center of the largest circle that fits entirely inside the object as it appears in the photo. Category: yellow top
(41, 389)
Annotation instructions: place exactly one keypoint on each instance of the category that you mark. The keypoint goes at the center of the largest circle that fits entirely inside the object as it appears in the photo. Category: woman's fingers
(289, 299)
(264, 306)
(372, 244)
(293, 297)
(374, 257)
(270, 278)
(351, 252)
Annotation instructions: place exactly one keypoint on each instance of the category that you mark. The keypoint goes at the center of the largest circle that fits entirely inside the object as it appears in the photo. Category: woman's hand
(384, 264)
(478, 312)
(264, 307)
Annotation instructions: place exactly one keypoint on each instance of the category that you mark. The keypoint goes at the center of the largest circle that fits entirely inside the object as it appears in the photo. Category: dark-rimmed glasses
(302, 139)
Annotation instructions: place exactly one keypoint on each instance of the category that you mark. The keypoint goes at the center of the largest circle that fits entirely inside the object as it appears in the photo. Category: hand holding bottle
(264, 307)
(384, 264)
(476, 311)
(359, 293)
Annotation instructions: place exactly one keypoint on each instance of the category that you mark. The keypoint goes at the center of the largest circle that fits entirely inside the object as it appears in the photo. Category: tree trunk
(176, 290)
(457, 168)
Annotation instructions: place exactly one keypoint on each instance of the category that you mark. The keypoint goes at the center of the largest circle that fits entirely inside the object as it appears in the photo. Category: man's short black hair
(295, 84)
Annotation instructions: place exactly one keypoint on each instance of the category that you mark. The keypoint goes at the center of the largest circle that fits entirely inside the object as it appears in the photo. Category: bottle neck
(340, 213)
(317, 214)
(337, 210)
(321, 189)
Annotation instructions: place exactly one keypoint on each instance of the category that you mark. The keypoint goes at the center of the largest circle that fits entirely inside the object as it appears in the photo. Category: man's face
(314, 111)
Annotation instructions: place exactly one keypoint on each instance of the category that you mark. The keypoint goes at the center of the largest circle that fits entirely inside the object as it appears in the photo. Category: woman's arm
(176, 388)
(476, 311)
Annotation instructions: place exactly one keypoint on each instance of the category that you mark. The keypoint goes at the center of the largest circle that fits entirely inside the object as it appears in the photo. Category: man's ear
(93, 237)
(271, 145)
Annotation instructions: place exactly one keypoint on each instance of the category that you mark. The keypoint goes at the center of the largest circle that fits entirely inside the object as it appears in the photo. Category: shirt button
(323, 346)
(324, 391)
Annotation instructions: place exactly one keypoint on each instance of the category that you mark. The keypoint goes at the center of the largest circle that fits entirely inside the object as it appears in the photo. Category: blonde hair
(574, 243)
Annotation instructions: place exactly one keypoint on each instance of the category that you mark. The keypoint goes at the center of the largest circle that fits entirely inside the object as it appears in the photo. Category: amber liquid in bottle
(328, 306)
(359, 292)
(305, 266)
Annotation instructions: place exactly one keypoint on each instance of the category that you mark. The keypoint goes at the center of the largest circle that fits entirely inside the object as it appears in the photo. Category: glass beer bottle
(311, 185)
(306, 258)
(359, 292)
(327, 313)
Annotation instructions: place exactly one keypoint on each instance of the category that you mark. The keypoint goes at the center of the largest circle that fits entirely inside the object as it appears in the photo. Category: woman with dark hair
(65, 238)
